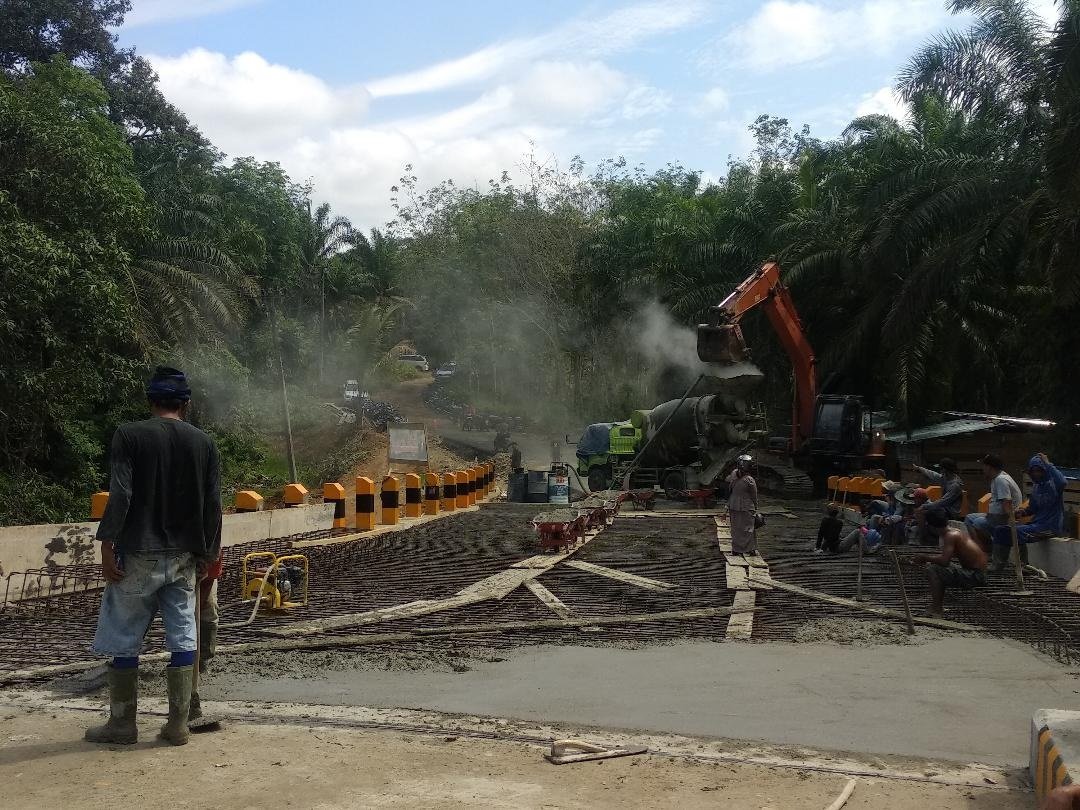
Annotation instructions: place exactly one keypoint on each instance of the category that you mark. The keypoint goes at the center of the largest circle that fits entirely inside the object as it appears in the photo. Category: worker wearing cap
(952, 488)
(163, 521)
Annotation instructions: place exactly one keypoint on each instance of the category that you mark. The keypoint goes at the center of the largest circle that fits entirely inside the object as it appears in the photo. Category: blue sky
(344, 94)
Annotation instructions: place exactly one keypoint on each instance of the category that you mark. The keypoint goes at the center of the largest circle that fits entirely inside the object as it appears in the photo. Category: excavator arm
(721, 340)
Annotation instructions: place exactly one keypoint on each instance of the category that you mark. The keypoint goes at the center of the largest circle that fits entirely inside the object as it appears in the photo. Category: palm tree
(325, 238)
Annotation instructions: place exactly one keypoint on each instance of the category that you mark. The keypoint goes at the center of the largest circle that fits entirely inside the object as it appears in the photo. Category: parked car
(416, 361)
(352, 391)
(445, 371)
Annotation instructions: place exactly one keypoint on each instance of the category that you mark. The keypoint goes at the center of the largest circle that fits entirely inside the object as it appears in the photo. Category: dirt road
(45, 764)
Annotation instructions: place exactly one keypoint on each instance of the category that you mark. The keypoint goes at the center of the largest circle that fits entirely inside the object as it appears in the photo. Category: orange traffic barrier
(449, 492)
(414, 496)
(390, 498)
(248, 500)
(335, 493)
(295, 495)
(462, 489)
(98, 502)
(431, 493)
(365, 504)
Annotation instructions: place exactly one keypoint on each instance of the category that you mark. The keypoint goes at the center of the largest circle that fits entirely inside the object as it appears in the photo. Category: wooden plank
(548, 598)
(497, 586)
(741, 624)
(621, 576)
(864, 607)
(737, 578)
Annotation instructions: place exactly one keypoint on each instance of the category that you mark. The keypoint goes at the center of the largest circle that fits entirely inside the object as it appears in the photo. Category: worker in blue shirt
(1046, 508)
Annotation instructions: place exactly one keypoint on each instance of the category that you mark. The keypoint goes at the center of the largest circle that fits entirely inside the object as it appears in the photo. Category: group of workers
(907, 515)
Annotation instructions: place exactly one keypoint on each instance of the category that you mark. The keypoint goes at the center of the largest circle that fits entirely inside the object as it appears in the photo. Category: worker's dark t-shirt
(164, 490)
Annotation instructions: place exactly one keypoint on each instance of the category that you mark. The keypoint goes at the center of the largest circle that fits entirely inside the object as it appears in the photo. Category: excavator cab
(720, 340)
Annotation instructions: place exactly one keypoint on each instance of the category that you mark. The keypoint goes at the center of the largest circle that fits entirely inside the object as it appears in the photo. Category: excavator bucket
(721, 344)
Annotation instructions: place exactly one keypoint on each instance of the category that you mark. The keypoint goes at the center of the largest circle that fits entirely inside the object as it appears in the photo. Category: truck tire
(674, 483)
(599, 479)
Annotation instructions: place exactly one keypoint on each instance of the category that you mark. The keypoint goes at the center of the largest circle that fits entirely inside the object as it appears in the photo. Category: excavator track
(782, 479)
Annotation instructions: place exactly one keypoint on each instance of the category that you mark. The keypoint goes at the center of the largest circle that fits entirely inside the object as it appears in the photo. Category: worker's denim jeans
(152, 584)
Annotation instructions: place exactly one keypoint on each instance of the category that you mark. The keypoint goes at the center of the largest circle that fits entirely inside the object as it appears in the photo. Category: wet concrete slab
(968, 699)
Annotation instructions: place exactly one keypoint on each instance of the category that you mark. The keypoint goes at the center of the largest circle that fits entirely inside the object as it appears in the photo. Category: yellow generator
(279, 583)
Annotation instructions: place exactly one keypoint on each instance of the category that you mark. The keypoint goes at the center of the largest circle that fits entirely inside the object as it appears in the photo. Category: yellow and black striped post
(248, 500)
(470, 485)
(462, 489)
(414, 496)
(449, 492)
(478, 470)
(431, 494)
(98, 502)
(487, 481)
(335, 494)
(295, 495)
(391, 501)
(365, 504)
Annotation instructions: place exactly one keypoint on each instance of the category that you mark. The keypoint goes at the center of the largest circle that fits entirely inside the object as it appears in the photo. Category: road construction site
(648, 626)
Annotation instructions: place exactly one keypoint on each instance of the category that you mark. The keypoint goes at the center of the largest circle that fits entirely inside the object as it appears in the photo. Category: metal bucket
(558, 485)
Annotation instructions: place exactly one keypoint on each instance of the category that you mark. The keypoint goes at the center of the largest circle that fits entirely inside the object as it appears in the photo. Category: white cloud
(714, 100)
(249, 106)
(882, 102)
(643, 101)
(150, 12)
(246, 101)
(580, 38)
(792, 32)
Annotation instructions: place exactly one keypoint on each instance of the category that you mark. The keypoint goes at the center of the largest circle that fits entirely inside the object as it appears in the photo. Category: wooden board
(549, 599)
(741, 624)
(737, 578)
(495, 587)
(863, 607)
(621, 576)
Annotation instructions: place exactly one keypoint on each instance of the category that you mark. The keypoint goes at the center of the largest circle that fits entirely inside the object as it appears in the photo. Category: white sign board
(408, 442)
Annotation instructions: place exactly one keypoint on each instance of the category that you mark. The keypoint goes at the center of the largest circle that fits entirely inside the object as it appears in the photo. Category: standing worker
(742, 506)
(163, 521)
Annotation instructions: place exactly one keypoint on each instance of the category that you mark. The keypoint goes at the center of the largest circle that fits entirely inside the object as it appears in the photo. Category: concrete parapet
(1055, 747)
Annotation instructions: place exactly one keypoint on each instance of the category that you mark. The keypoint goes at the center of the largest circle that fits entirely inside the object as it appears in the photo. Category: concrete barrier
(1055, 746)
(1058, 556)
(26, 548)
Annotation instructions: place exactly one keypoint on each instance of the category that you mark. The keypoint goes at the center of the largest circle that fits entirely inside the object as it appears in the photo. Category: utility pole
(289, 451)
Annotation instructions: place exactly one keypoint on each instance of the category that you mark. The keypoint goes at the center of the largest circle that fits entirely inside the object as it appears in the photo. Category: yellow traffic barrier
(295, 495)
(462, 489)
(365, 504)
(98, 502)
(414, 496)
(248, 500)
(431, 494)
(449, 492)
(335, 494)
(391, 501)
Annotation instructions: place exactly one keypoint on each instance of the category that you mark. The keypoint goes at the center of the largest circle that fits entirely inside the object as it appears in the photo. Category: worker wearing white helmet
(742, 506)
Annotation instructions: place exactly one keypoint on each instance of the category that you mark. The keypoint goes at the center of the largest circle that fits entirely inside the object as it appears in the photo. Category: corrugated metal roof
(939, 431)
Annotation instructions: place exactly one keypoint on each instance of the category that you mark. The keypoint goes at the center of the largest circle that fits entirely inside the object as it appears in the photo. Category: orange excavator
(830, 433)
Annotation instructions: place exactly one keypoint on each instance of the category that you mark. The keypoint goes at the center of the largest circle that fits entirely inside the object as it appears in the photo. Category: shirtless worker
(967, 571)
(163, 521)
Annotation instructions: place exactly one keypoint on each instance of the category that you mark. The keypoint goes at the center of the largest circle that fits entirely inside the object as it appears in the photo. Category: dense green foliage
(933, 260)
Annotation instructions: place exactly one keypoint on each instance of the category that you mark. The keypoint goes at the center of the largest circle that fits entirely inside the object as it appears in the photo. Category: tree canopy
(933, 259)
